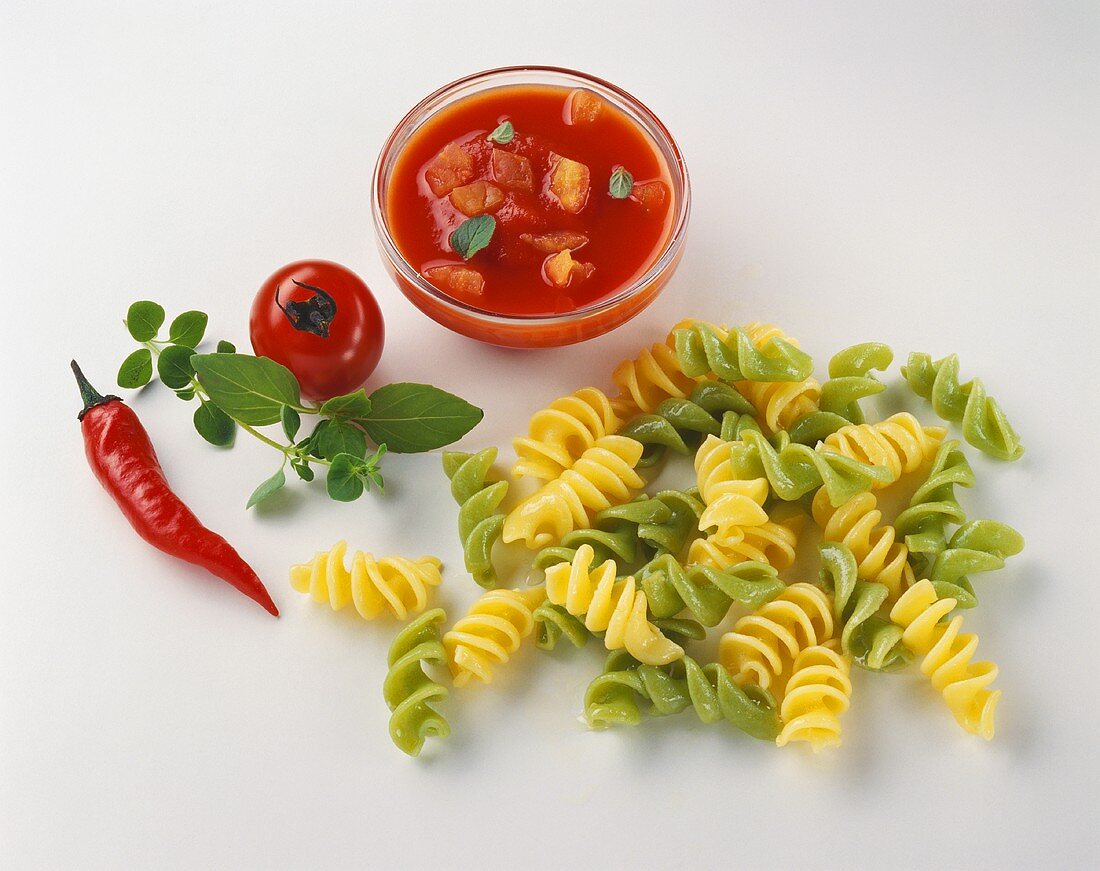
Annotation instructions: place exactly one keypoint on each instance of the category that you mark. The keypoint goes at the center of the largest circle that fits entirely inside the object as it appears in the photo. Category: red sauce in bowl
(561, 240)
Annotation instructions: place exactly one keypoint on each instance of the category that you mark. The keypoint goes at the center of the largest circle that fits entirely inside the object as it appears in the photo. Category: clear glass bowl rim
(654, 127)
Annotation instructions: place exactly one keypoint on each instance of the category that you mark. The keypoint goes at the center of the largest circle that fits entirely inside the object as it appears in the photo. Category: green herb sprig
(242, 392)
(503, 133)
(621, 183)
(472, 235)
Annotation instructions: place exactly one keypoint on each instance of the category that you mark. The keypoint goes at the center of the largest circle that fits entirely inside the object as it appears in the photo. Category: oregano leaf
(188, 329)
(136, 370)
(144, 319)
(214, 425)
(291, 422)
(621, 184)
(503, 133)
(174, 366)
(343, 482)
(472, 235)
(267, 489)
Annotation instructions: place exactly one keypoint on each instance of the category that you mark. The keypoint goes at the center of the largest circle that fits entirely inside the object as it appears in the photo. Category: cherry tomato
(322, 322)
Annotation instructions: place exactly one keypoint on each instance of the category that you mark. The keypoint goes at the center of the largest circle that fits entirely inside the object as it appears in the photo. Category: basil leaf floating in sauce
(473, 235)
(503, 134)
(621, 184)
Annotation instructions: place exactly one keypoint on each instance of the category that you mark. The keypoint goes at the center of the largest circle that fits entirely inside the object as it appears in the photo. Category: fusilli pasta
(490, 632)
(984, 424)
(394, 584)
(817, 693)
(617, 608)
(900, 443)
(479, 523)
(560, 433)
(408, 691)
(850, 380)
(704, 591)
(947, 653)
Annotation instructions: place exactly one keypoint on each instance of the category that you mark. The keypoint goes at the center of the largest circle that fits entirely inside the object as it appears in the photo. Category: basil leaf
(341, 438)
(621, 185)
(410, 418)
(174, 366)
(291, 422)
(304, 470)
(343, 482)
(188, 329)
(144, 319)
(252, 390)
(214, 425)
(267, 489)
(503, 134)
(472, 235)
(349, 405)
(226, 347)
(136, 370)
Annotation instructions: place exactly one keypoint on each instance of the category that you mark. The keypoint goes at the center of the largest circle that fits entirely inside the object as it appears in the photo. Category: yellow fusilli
(762, 646)
(616, 608)
(394, 584)
(772, 542)
(731, 503)
(947, 653)
(603, 476)
(900, 443)
(490, 633)
(856, 523)
(649, 379)
(560, 433)
(817, 693)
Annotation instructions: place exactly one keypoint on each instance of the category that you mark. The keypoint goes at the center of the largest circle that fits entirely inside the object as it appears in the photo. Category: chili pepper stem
(88, 394)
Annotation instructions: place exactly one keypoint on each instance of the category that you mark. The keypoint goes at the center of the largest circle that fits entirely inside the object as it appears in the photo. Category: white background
(925, 176)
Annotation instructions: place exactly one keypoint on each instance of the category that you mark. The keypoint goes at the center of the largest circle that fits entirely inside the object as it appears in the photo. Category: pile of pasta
(649, 575)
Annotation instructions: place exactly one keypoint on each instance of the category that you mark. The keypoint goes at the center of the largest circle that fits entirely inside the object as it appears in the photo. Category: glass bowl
(525, 331)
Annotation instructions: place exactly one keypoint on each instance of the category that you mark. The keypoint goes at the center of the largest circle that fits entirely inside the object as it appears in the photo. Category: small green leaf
(188, 329)
(472, 235)
(144, 319)
(350, 405)
(226, 347)
(310, 442)
(503, 134)
(291, 422)
(269, 487)
(304, 470)
(622, 183)
(343, 482)
(187, 394)
(136, 370)
(340, 437)
(252, 390)
(410, 418)
(174, 366)
(214, 425)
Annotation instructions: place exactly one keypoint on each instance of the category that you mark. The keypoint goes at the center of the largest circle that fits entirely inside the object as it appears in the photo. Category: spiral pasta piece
(651, 377)
(900, 443)
(871, 640)
(479, 523)
(933, 506)
(707, 593)
(817, 693)
(779, 404)
(773, 543)
(612, 697)
(679, 424)
(757, 353)
(731, 503)
(394, 584)
(850, 380)
(616, 608)
(490, 633)
(984, 424)
(948, 655)
(978, 546)
(408, 691)
(603, 476)
(762, 646)
(560, 433)
(856, 524)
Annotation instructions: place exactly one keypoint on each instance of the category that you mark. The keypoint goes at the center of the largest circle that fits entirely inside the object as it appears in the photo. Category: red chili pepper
(125, 463)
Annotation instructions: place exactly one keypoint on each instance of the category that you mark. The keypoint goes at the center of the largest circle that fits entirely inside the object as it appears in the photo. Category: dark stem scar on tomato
(314, 315)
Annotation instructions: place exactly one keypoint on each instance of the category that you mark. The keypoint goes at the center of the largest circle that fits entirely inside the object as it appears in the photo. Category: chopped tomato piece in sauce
(513, 170)
(570, 181)
(562, 269)
(653, 195)
(555, 241)
(449, 169)
(459, 280)
(477, 198)
(583, 107)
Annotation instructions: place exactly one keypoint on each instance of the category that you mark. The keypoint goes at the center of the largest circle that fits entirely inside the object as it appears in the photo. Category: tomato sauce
(561, 241)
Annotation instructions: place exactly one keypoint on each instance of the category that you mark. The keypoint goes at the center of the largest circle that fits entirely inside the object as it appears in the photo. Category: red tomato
(322, 322)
